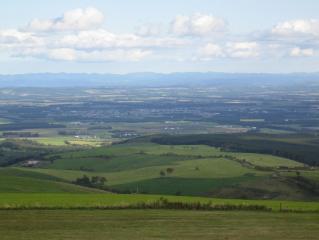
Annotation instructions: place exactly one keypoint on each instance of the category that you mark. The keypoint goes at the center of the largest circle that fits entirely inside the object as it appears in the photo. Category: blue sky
(159, 36)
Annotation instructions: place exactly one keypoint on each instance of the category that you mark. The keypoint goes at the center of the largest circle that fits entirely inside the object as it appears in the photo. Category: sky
(123, 36)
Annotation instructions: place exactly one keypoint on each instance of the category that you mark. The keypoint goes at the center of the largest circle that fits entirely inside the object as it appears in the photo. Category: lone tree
(83, 181)
(162, 173)
(98, 181)
(169, 170)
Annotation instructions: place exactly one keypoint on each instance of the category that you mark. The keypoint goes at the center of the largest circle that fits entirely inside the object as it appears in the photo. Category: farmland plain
(70, 157)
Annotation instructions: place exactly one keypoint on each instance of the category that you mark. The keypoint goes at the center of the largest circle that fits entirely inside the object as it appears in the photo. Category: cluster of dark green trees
(15, 151)
(93, 182)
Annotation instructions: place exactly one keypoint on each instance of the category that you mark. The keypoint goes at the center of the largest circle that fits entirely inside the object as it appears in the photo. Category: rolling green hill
(298, 147)
(17, 180)
(197, 170)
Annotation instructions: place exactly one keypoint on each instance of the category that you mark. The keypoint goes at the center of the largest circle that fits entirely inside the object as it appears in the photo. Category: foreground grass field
(155, 224)
(92, 201)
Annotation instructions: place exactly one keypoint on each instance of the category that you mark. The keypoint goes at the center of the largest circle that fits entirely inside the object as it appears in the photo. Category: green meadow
(155, 224)
(192, 170)
(270, 196)
(16, 181)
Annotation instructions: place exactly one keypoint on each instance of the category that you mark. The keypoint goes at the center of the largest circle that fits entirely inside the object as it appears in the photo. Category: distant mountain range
(155, 79)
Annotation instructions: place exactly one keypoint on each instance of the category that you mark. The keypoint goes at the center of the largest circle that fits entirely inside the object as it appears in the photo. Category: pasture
(156, 224)
(15, 181)
(193, 170)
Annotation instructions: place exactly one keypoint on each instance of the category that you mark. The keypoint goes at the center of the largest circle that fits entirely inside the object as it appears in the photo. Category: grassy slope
(208, 168)
(266, 160)
(303, 148)
(128, 156)
(183, 186)
(114, 163)
(198, 170)
(15, 180)
(134, 224)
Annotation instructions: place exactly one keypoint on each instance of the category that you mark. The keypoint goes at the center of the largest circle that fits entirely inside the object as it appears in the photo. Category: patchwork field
(64, 141)
(140, 166)
(162, 161)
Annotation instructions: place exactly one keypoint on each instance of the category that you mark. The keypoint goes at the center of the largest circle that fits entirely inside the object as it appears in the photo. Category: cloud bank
(76, 19)
(79, 35)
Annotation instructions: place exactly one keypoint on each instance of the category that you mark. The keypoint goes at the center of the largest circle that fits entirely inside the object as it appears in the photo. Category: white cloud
(149, 30)
(76, 19)
(101, 39)
(78, 36)
(180, 25)
(12, 38)
(229, 50)
(299, 52)
(66, 54)
(100, 56)
(197, 24)
(69, 54)
(297, 28)
(210, 51)
(243, 49)
(94, 45)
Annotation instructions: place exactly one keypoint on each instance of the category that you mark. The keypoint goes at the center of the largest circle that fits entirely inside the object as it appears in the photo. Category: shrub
(169, 170)
(162, 173)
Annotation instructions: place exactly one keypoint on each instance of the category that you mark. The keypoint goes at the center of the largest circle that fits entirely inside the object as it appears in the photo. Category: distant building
(30, 163)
